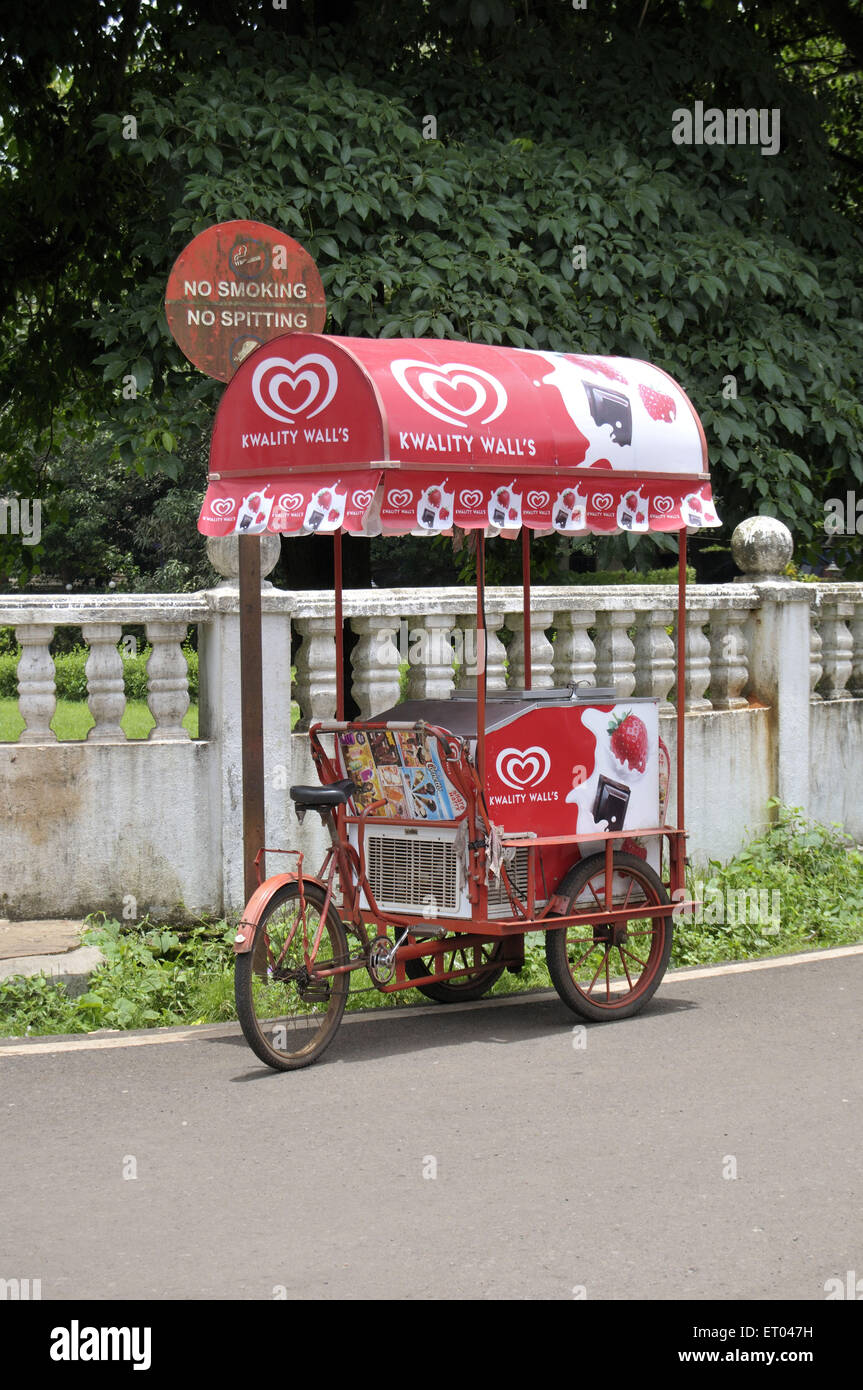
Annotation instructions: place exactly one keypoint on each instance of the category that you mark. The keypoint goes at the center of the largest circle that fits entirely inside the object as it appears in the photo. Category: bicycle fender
(248, 924)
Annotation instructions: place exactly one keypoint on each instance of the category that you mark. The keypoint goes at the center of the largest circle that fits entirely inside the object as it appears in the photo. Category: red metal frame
(345, 864)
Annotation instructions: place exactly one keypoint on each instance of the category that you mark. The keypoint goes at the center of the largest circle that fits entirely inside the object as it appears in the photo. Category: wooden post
(251, 707)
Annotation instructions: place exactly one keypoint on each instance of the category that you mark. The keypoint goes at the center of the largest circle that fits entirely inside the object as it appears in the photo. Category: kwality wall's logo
(521, 768)
(453, 392)
(284, 389)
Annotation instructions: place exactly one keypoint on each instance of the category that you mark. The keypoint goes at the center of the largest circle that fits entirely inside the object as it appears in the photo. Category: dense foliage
(443, 165)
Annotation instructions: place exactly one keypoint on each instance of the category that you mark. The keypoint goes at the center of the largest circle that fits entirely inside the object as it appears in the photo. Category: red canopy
(319, 433)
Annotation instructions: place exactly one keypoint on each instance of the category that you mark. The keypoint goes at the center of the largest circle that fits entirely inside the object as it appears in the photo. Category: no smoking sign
(237, 285)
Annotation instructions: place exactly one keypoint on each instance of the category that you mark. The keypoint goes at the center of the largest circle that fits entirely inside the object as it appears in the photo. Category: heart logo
(400, 497)
(363, 498)
(522, 767)
(468, 390)
(663, 505)
(291, 501)
(603, 501)
(537, 500)
(470, 499)
(223, 506)
(312, 376)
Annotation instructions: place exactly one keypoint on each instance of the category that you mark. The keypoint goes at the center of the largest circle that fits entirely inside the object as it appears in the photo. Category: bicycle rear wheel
(288, 1016)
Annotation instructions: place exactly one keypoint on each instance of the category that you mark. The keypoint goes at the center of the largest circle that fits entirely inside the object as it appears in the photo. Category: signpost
(235, 286)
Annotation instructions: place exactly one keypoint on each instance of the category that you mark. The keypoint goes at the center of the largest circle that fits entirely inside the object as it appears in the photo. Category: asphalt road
(443, 1153)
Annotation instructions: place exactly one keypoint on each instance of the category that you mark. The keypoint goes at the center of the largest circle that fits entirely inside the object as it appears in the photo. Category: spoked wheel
(464, 987)
(611, 968)
(288, 1017)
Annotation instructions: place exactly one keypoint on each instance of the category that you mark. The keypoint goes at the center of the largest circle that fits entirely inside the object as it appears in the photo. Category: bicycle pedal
(315, 994)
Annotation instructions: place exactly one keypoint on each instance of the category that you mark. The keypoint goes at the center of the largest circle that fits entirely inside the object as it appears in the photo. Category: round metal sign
(237, 285)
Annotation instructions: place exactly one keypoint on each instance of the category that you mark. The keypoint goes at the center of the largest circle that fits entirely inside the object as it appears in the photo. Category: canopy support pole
(251, 707)
(681, 672)
(340, 628)
(525, 576)
(480, 657)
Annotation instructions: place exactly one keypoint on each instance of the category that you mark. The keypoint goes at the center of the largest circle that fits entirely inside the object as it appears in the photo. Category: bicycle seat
(336, 794)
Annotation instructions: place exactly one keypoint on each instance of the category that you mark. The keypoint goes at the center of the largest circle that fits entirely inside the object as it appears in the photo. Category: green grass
(72, 719)
(159, 975)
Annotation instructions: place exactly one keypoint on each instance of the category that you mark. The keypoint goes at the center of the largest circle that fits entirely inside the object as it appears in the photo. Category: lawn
(73, 719)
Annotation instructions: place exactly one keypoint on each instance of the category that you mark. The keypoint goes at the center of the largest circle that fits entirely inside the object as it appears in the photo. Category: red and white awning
(371, 436)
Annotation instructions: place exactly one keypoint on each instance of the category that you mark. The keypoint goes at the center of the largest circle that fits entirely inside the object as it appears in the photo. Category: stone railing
(774, 699)
(165, 618)
(620, 636)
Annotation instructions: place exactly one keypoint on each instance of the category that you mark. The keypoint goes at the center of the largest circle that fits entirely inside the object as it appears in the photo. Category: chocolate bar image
(498, 517)
(315, 520)
(612, 799)
(627, 519)
(428, 517)
(562, 517)
(610, 408)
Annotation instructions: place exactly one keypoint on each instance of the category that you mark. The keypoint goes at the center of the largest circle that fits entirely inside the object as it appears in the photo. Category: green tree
(737, 272)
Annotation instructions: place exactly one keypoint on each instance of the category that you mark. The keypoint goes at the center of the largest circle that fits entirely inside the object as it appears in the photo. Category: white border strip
(196, 1032)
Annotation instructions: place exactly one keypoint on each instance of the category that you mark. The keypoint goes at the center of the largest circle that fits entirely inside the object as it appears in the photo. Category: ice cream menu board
(401, 769)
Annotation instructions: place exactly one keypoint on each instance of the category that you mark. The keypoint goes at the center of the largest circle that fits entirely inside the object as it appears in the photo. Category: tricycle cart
(457, 826)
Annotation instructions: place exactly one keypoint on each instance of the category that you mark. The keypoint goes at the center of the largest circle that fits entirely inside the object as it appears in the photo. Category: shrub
(71, 676)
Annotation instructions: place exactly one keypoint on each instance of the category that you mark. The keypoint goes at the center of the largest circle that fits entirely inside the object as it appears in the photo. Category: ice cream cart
(457, 826)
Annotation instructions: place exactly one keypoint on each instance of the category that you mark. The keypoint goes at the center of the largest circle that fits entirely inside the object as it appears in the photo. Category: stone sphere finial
(223, 553)
(762, 547)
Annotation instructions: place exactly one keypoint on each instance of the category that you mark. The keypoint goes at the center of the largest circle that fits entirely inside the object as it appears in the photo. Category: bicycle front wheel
(289, 1015)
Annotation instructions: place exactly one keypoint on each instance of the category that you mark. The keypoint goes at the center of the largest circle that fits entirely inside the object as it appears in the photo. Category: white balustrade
(430, 657)
(495, 653)
(106, 696)
(697, 659)
(836, 649)
(541, 650)
(855, 681)
(167, 680)
(816, 670)
(37, 697)
(729, 667)
(375, 663)
(315, 685)
(574, 652)
(615, 652)
(655, 665)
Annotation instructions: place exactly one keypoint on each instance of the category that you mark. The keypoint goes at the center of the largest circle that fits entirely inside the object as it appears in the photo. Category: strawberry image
(512, 513)
(568, 500)
(259, 518)
(641, 517)
(434, 496)
(333, 516)
(324, 499)
(444, 514)
(628, 741)
(658, 406)
(631, 501)
(503, 497)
